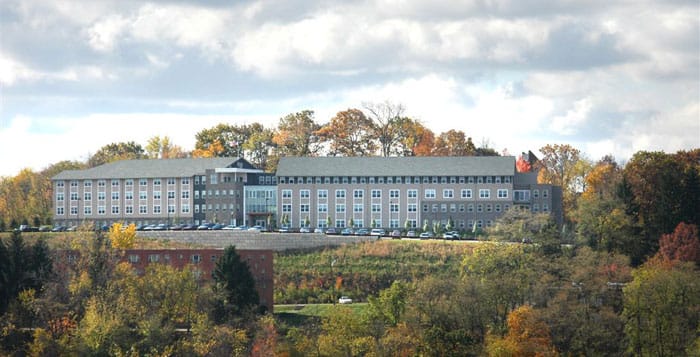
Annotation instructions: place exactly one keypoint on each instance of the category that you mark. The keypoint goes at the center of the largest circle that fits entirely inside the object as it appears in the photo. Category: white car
(377, 232)
(345, 300)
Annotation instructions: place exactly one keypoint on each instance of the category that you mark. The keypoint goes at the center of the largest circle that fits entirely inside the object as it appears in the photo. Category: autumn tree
(681, 245)
(26, 197)
(416, 139)
(349, 133)
(454, 143)
(528, 335)
(296, 135)
(115, 152)
(163, 148)
(561, 167)
(122, 236)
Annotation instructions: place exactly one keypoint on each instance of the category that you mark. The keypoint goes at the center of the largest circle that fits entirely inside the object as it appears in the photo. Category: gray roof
(147, 169)
(397, 166)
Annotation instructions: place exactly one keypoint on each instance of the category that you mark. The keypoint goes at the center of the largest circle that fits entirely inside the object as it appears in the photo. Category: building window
(357, 208)
(498, 207)
(412, 193)
(60, 184)
(73, 196)
(521, 195)
(156, 209)
(394, 193)
(358, 193)
(74, 211)
(171, 181)
(185, 194)
(461, 207)
(101, 210)
(59, 196)
(339, 208)
(394, 207)
(484, 193)
(156, 182)
(60, 211)
(443, 207)
(115, 196)
(322, 208)
(425, 207)
(171, 195)
(412, 207)
(185, 181)
(101, 196)
(143, 195)
(213, 179)
(133, 258)
(545, 207)
(101, 183)
(545, 193)
(129, 183)
(87, 184)
(502, 193)
(470, 207)
(196, 258)
(115, 209)
(286, 193)
(115, 183)
(128, 195)
(143, 209)
(479, 207)
(171, 209)
(435, 207)
(430, 193)
(304, 208)
(322, 193)
(376, 194)
(286, 208)
(466, 193)
(376, 208)
(129, 209)
(448, 193)
(339, 193)
(304, 193)
(143, 182)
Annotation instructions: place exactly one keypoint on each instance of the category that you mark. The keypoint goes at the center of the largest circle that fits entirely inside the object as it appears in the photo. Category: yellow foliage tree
(528, 336)
(122, 237)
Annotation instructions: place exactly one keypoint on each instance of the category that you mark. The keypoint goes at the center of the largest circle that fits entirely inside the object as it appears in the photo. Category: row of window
(128, 182)
(129, 209)
(412, 207)
(429, 193)
(394, 179)
(129, 195)
(395, 223)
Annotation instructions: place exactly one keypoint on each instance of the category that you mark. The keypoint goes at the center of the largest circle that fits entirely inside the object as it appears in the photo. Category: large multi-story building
(395, 192)
(157, 191)
(386, 192)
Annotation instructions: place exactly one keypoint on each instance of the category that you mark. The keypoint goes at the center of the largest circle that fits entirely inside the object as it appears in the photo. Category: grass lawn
(304, 314)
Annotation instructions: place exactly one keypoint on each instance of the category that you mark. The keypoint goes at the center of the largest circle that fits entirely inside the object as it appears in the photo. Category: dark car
(331, 231)
(347, 232)
(58, 229)
(362, 232)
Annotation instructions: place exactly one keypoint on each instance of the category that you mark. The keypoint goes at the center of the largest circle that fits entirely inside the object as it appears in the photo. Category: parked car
(189, 227)
(58, 229)
(318, 230)
(451, 235)
(255, 229)
(230, 227)
(426, 235)
(362, 232)
(304, 230)
(411, 234)
(204, 226)
(347, 232)
(331, 230)
(217, 227)
(345, 300)
(377, 232)
(284, 229)
(396, 234)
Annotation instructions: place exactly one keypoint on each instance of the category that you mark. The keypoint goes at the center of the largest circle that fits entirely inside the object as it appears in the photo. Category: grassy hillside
(361, 270)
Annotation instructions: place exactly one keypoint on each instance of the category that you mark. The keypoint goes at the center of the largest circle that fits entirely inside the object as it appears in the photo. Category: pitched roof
(397, 166)
(154, 168)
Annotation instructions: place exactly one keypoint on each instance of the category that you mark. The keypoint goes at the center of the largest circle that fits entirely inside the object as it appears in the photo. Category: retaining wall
(255, 240)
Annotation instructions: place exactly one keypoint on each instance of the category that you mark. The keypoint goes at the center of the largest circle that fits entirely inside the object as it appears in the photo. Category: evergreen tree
(234, 286)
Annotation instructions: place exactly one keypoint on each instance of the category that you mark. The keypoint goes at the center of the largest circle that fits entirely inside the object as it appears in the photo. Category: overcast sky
(608, 77)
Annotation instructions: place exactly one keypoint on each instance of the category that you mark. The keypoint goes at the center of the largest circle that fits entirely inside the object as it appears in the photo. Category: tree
(259, 145)
(528, 335)
(416, 139)
(227, 138)
(453, 143)
(296, 135)
(560, 167)
(162, 148)
(388, 125)
(122, 237)
(115, 152)
(234, 284)
(661, 309)
(349, 133)
(522, 165)
(682, 245)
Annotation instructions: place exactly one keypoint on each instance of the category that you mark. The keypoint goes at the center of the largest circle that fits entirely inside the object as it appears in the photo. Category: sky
(607, 77)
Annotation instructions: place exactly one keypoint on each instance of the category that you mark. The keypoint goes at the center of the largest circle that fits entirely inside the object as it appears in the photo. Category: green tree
(234, 286)
(258, 147)
(115, 152)
(661, 309)
(561, 166)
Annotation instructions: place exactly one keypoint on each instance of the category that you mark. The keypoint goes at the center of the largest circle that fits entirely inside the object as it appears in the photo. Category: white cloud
(11, 72)
(574, 118)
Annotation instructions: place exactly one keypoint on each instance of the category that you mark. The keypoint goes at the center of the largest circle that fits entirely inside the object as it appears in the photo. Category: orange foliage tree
(528, 335)
(683, 244)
